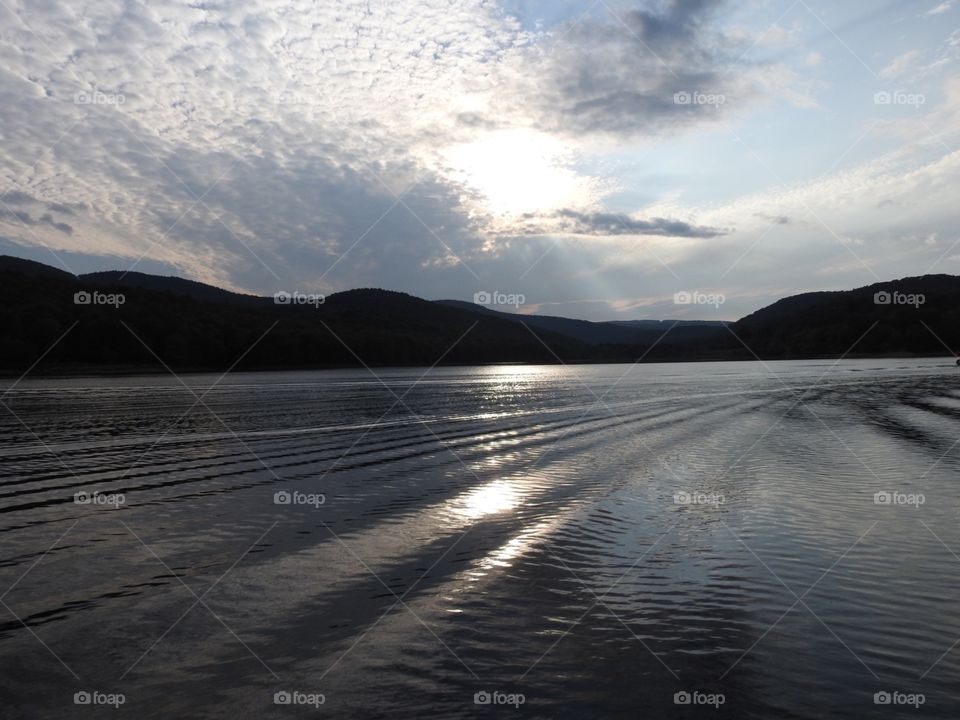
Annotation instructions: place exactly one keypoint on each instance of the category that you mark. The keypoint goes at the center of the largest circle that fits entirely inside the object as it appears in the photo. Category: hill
(910, 316)
(617, 332)
(31, 268)
(138, 321)
(593, 333)
(171, 285)
(135, 321)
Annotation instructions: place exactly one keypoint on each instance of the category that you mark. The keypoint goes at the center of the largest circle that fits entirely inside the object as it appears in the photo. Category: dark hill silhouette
(822, 324)
(593, 333)
(169, 284)
(32, 268)
(622, 333)
(188, 325)
(190, 332)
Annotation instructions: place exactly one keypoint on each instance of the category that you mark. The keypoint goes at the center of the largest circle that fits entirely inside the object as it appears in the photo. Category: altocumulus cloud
(245, 143)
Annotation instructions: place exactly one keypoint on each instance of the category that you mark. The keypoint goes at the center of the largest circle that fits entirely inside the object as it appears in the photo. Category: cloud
(251, 141)
(246, 144)
(628, 73)
(61, 226)
(17, 197)
(574, 222)
(943, 7)
(20, 216)
(65, 208)
(774, 219)
(900, 64)
(25, 218)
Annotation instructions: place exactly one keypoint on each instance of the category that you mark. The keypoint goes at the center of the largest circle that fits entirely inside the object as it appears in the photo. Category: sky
(600, 159)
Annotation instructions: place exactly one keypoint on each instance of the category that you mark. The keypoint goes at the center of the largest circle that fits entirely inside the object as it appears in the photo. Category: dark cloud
(475, 121)
(26, 218)
(61, 226)
(774, 219)
(16, 215)
(639, 71)
(65, 208)
(17, 197)
(575, 222)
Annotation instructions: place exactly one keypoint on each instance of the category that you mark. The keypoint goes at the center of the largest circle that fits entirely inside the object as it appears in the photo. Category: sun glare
(495, 497)
(519, 171)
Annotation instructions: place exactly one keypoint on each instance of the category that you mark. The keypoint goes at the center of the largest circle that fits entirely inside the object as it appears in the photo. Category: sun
(519, 171)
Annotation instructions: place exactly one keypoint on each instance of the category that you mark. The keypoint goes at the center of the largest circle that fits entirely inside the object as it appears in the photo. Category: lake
(740, 540)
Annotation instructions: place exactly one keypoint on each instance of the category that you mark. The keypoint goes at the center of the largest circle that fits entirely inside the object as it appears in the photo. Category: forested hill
(114, 322)
(133, 322)
(911, 316)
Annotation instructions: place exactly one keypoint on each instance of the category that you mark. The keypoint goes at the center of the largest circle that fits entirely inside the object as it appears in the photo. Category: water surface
(593, 538)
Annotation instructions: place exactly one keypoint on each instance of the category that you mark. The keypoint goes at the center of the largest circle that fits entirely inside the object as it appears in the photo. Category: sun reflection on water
(495, 497)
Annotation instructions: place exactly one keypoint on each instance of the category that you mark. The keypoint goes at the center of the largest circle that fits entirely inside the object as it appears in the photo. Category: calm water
(592, 540)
